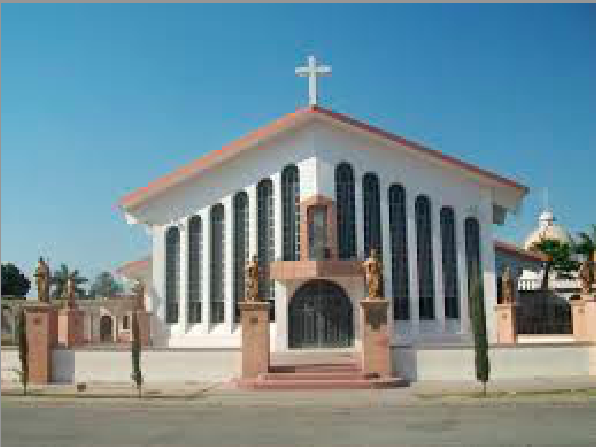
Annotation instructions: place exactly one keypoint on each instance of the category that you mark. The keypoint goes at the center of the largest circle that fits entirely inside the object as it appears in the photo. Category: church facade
(310, 195)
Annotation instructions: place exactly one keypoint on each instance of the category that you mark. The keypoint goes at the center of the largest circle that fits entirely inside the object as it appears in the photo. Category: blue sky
(98, 100)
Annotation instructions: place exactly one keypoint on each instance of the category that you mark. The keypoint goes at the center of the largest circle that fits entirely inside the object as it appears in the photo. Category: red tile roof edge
(134, 264)
(139, 195)
(522, 252)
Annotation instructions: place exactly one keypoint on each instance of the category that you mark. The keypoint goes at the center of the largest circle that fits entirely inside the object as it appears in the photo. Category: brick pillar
(41, 324)
(376, 358)
(144, 321)
(578, 319)
(254, 317)
(71, 327)
(590, 318)
(506, 324)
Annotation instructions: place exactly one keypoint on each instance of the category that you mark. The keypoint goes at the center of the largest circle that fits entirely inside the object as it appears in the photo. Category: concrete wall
(520, 362)
(179, 365)
(9, 363)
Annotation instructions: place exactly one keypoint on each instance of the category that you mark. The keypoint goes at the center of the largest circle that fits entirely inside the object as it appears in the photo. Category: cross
(312, 70)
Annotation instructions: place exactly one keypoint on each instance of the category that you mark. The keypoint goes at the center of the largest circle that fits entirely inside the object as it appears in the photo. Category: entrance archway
(320, 315)
(105, 328)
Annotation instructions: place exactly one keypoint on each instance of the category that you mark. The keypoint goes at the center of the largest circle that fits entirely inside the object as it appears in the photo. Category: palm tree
(559, 259)
(59, 282)
(587, 245)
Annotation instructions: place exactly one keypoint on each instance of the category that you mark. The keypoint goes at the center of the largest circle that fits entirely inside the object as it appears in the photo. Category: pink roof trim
(212, 158)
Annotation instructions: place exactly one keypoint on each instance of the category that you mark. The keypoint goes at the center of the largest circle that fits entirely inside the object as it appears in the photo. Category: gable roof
(212, 159)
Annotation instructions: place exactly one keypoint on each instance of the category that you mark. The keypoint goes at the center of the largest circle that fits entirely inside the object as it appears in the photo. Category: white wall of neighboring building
(317, 149)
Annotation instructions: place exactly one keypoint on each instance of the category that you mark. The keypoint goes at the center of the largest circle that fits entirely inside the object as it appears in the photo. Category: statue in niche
(373, 272)
(252, 280)
(42, 279)
(507, 287)
(585, 277)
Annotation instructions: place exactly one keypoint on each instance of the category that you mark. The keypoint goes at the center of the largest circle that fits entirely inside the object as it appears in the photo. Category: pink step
(316, 367)
(318, 375)
(321, 384)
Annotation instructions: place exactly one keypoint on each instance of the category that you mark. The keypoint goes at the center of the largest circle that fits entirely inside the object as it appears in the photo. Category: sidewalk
(417, 391)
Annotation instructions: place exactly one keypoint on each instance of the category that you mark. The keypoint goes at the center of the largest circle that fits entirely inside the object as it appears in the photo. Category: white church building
(310, 194)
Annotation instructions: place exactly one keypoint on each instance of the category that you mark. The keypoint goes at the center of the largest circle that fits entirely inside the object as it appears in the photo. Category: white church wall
(445, 187)
(317, 149)
(520, 362)
(10, 364)
(158, 365)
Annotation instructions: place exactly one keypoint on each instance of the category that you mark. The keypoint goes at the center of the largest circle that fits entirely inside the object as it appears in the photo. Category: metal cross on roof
(312, 71)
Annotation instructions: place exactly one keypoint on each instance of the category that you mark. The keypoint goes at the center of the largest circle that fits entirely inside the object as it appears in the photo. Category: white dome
(546, 230)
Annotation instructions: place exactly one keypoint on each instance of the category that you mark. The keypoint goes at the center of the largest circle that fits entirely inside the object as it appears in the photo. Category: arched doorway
(105, 328)
(320, 315)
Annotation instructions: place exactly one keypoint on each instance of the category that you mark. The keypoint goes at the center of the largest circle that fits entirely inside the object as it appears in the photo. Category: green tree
(60, 278)
(587, 245)
(105, 285)
(15, 285)
(478, 317)
(23, 349)
(558, 259)
(135, 349)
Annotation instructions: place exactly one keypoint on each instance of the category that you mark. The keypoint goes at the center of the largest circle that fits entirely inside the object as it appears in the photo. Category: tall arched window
(371, 200)
(172, 274)
(449, 262)
(399, 252)
(195, 268)
(472, 235)
(240, 248)
(265, 239)
(346, 211)
(290, 202)
(426, 289)
(217, 263)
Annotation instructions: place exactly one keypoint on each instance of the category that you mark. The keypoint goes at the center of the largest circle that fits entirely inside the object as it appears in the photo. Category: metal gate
(320, 316)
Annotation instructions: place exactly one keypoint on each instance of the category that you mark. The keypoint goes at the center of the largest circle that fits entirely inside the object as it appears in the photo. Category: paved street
(274, 419)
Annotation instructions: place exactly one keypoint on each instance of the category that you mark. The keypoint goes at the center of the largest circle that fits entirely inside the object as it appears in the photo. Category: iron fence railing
(544, 317)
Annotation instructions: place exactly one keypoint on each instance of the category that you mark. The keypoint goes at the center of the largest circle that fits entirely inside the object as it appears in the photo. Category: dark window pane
(346, 211)
(398, 231)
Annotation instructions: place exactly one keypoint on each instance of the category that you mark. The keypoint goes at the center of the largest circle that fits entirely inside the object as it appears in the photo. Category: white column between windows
(438, 266)
(386, 241)
(251, 192)
(359, 210)
(206, 268)
(413, 263)
(462, 272)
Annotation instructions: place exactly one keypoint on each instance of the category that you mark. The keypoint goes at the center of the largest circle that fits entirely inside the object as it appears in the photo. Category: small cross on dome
(312, 71)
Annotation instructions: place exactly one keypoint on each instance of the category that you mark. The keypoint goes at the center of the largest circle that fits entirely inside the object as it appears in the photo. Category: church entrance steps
(316, 367)
(320, 375)
(344, 372)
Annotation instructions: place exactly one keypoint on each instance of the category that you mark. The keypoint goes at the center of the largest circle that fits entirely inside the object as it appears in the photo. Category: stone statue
(373, 272)
(138, 290)
(507, 287)
(70, 289)
(585, 277)
(252, 280)
(42, 279)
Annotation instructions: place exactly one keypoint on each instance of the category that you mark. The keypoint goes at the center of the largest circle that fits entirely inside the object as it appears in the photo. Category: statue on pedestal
(585, 277)
(373, 272)
(42, 279)
(71, 290)
(252, 280)
(138, 291)
(507, 287)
